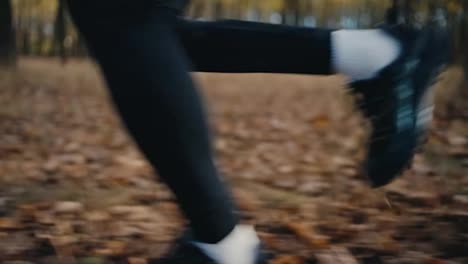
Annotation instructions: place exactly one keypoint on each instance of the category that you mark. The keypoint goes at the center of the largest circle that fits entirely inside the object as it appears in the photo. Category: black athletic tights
(146, 52)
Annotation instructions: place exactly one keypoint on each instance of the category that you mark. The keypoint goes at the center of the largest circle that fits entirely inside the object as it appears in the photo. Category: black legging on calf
(141, 49)
(147, 74)
(241, 47)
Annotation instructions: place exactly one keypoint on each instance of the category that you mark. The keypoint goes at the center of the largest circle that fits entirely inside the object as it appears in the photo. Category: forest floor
(73, 188)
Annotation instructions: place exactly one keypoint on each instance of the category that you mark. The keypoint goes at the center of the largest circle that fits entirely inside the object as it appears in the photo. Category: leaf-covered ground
(73, 188)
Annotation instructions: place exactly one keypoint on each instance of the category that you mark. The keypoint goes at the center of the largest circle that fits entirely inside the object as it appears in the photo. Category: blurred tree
(464, 41)
(42, 27)
(24, 26)
(393, 13)
(7, 39)
(60, 33)
(408, 11)
(291, 12)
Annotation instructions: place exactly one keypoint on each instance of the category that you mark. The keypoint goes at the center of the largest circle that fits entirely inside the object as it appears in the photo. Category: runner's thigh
(116, 13)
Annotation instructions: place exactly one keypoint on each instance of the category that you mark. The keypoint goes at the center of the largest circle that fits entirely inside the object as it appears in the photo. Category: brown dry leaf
(389, 244)
(130, 161)
(286, 182)
(97, 216)
(412, 197)
(51, 165)
(63, 240)
(321, 121)
(421, 167)
(221, 145)
(64, 245)
(145, 197)
(9, 224)
(135, 213)
(68, 207)
(246, 200)
(116, 247)
(287, 259)
(314, 187)
(72, 147)
(125, 230)
(306, 233)
(127, 210)
(135, 260)
(309, 159)
(45, 218)
(461, 200)
(278, 124)
(268, 239)
(15, 245)
(96, 154)
(435, 261)
(76, 171)
(285, 169)
(17, 262)
(169, 208)
(458, 152)
(28, 211)
(336, 255)
(103, 252)
(71, 159)
(457, 140)
(64, 228)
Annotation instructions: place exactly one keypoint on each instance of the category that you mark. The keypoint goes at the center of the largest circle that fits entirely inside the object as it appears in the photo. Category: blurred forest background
(43, 27)
(75, 189)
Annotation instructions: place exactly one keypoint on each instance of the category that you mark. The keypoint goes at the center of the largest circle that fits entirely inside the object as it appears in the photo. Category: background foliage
(42, 27)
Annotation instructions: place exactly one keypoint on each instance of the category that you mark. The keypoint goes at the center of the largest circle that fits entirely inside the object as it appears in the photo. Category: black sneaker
(185, 252)
(434, 59)
(393, 101)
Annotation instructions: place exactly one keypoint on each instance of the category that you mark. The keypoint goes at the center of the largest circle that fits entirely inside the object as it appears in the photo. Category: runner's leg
(147, 73)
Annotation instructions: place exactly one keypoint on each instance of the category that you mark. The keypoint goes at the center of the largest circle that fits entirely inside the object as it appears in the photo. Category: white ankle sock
(239, 247)
(361, 54)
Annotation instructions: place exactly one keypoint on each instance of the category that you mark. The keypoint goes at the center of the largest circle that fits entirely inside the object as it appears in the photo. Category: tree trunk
(80, 46)
(298, 15)
(40, 41)
(464, 33)
(401, 11)
(393, 13)
(60, 31)
(408, 12)
(7, 37)
(218, 10)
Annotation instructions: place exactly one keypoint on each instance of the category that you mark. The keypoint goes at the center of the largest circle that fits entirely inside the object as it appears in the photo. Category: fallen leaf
(306, 233)
(9, 224)
(68, 207)
(336, 255)
(287, 259)
(321, 121)
(135, 260)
